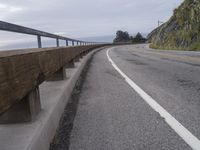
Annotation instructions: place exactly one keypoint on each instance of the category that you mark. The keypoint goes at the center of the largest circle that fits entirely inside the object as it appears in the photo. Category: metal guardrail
(5, 26)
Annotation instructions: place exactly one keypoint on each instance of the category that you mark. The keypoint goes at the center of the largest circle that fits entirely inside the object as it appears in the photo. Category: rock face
(182, 31)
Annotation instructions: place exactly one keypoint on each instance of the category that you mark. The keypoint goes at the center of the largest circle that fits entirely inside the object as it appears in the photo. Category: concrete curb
(54, 97)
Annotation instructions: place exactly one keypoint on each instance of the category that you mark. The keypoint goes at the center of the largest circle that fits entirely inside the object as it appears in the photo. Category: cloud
(7, 10)
(87, 18)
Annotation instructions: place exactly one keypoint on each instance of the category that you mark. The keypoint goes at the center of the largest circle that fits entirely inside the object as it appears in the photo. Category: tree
(138, 38)
(122, 36)
(131, 38)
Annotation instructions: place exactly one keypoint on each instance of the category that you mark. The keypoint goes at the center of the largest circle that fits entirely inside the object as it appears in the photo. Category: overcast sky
(87, 18)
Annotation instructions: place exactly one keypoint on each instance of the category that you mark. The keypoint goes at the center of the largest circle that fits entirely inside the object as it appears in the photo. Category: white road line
(184, 133)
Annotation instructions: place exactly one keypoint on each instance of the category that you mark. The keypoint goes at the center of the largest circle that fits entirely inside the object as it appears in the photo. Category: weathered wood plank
(21, 71)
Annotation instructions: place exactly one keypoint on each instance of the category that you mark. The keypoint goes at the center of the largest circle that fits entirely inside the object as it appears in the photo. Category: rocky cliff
(182, 31)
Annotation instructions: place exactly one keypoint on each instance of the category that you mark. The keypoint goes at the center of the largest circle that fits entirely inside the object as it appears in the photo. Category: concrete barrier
(54, 96)
(21, 73)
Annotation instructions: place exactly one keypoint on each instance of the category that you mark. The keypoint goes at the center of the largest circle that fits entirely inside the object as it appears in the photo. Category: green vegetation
(182, 31)
(124, 37)
(138, 38)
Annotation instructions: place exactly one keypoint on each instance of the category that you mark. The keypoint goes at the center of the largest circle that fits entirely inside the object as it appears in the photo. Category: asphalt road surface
(112, 115)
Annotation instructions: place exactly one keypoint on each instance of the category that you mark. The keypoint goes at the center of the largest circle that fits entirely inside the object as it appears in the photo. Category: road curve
(112, 115)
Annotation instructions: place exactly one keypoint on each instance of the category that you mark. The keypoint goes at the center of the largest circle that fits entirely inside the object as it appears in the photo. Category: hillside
(182, 31)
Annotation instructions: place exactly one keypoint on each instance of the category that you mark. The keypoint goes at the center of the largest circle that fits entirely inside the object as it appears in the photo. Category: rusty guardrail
(22, 71)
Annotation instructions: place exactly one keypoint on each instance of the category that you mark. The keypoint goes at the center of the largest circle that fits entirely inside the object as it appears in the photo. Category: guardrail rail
(5, 26)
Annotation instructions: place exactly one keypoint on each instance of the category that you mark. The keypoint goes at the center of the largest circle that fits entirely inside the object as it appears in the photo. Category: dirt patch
(135, 55)
(113, 73)
(135, 62)
(189, 84)
(183, 62)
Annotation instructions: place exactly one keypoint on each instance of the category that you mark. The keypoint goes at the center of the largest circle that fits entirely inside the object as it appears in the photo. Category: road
(113, 115)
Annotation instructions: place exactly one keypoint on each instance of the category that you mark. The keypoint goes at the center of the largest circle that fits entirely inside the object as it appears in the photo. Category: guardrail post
(25, 110)
(57, 42)
(59, 75)
(72, 43)
(77, 59)
(39, 41)
(77, 42)
(70, 64)
(67, 43)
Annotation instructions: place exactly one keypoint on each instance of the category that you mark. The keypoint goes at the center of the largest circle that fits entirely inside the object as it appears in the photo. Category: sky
(84, 18)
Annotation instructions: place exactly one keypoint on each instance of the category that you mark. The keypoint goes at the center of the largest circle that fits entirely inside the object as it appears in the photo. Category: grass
(182, 31)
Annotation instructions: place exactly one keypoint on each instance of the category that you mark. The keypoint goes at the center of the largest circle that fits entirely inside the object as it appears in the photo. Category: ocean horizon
(28, 42)
(31, 42)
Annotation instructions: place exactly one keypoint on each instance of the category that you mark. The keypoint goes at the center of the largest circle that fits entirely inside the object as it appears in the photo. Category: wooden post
(25, 110)
(59, 75)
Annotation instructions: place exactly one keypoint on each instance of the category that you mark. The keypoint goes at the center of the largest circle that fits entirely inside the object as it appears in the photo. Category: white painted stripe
(184, 133)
